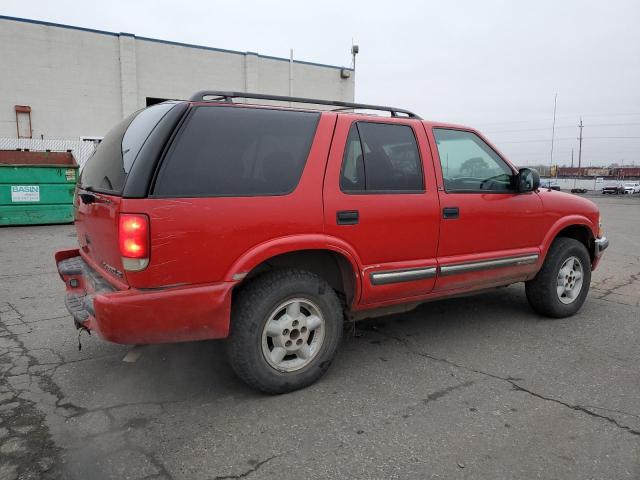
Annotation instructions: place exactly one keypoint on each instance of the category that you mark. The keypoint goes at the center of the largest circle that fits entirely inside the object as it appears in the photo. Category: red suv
(273, 226)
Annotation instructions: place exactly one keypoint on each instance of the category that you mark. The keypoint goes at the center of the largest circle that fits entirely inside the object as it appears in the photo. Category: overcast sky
(494, 65)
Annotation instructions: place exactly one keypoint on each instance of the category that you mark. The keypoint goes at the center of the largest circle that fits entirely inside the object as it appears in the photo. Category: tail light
(133, 238)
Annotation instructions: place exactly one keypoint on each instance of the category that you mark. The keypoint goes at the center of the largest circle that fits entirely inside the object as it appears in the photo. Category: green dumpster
(36, 188)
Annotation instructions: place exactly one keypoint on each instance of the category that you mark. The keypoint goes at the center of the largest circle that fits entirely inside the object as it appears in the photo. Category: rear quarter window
(107, 169)
(237, 151)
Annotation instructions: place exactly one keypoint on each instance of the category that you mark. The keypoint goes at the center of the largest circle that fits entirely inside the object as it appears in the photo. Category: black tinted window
(469, 164)
(108, 167)
(236, 151)
(381, 157)
(139, 131)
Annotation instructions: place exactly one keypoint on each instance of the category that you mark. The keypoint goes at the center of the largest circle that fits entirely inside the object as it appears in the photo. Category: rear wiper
(87, 197)
(90, 197)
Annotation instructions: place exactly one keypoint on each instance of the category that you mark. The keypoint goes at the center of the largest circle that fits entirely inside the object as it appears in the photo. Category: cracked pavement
(476, 387)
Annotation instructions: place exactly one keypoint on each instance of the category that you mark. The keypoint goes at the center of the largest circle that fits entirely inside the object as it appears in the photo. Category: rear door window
(107, 169)
(237, 151)
(381, 157)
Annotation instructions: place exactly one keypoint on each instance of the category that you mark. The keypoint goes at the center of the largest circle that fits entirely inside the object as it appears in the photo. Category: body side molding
(466, 267)
(405, 275)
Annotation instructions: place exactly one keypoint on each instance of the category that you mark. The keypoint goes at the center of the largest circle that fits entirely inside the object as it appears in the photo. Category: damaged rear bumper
(137, 316)
(82, 286)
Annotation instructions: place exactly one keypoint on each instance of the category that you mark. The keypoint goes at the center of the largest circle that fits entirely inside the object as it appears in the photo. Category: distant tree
(474, 167)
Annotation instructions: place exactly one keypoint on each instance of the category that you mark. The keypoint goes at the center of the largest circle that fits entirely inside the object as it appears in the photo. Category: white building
(65, 82)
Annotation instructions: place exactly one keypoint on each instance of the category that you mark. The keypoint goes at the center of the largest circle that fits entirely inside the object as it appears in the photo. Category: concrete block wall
(81, 82)
(70, 78)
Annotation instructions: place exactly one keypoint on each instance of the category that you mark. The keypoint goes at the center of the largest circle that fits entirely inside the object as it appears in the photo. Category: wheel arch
(576, 227)
(330, 259)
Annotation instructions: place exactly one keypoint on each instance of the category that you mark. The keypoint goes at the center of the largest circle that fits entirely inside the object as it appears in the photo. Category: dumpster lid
(20, 157)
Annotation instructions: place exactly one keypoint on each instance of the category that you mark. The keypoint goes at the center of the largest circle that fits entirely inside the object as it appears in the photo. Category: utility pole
(572, 158)
(580, 147)
(553, 131)
(574, 176)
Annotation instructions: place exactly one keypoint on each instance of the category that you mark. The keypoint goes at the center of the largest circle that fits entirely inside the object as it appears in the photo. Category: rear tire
(285, 329)
(562, 284)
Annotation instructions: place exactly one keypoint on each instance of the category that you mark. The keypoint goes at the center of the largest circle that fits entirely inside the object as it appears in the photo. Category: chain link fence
(81, 150)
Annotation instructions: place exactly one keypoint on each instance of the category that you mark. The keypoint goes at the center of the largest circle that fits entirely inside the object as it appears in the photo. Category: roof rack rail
(228, 96)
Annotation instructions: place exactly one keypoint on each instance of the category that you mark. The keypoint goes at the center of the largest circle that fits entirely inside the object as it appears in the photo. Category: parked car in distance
(632, 187)
(578, 190)
(549, 184)
(616, 189)
(273, 226)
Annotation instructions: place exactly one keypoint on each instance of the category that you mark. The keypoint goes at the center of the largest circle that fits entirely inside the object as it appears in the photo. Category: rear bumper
(134, 316)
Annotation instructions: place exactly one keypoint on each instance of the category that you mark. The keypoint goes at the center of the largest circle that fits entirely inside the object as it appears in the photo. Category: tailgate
(97, 228)
(98, 199)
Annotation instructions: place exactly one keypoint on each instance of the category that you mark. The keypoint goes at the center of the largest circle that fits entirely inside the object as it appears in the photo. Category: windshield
(107, 169)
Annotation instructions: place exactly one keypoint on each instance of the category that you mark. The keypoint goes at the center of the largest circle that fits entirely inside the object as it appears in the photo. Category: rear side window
(108, 167)
(381, 157)
(352, 178)
(237, 151)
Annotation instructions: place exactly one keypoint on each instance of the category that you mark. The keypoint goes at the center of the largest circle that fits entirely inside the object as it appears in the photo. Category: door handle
(347, 217)
(450, 213)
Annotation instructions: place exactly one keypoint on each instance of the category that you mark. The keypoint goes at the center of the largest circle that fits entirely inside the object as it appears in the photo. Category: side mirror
(527, 180)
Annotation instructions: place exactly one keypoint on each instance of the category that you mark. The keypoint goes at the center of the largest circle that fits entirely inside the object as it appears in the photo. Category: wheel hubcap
(569, 282)
(293, 335)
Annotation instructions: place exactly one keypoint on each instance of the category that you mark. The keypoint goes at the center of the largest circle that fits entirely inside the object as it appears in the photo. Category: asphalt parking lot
(477, 387)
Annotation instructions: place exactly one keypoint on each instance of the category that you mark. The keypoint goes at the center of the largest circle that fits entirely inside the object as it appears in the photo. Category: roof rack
(228, 96)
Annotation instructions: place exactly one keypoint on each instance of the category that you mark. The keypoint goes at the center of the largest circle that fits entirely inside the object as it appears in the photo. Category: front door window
(470, 165)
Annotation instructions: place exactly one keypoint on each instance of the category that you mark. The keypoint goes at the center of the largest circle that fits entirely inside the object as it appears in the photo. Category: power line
(562, 126)
(610, 137)
(565, 138)
(540, 153)
(541, 120)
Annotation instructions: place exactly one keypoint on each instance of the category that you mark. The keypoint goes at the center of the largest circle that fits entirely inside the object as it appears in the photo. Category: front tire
(562, 284)
(285, 329)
